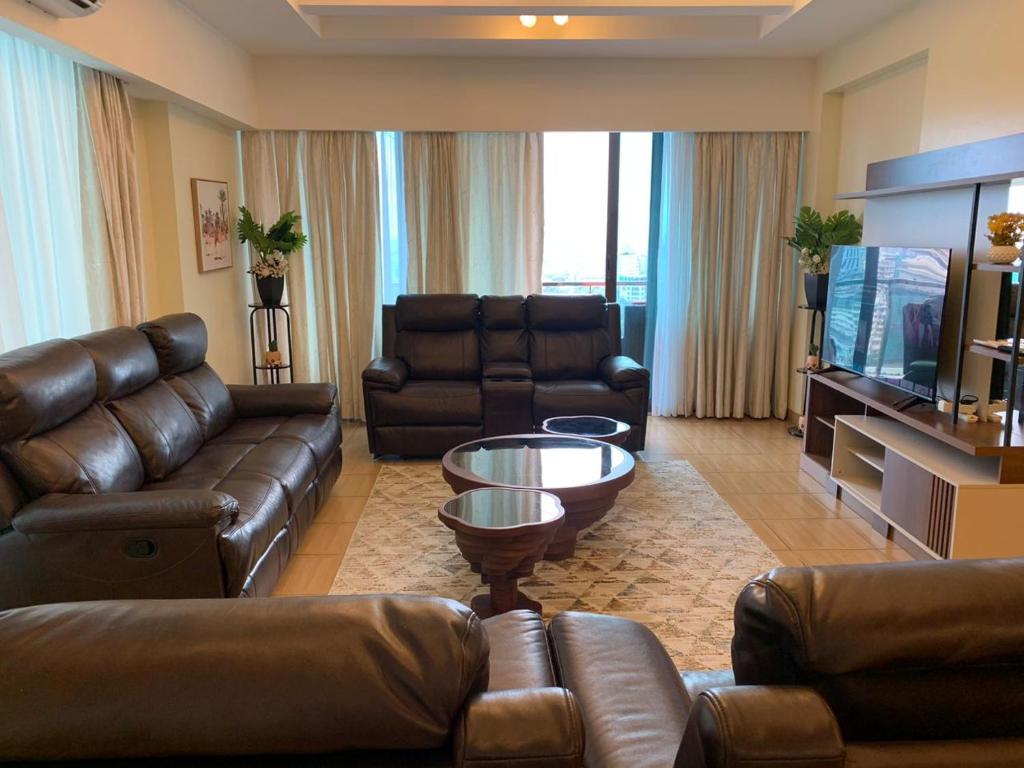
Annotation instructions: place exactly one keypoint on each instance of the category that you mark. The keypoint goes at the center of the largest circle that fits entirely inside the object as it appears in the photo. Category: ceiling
(597, 28)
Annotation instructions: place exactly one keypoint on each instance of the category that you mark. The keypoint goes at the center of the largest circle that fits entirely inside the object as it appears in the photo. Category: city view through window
(576, 214)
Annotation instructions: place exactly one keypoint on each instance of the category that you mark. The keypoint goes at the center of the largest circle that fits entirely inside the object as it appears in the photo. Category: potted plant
(813, 361)
(273, 247)
(1005, 230)
(814, 237)
(272, 357)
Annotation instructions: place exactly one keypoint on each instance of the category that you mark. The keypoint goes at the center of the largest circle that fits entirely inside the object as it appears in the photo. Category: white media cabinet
(950, 492)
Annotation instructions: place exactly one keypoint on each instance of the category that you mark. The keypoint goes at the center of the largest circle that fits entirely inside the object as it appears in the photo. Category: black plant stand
(803, 371)
(270, 321)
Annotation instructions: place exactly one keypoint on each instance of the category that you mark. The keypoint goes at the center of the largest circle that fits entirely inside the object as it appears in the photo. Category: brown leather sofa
(343, 681)
(902, 665)
(129, 470)
(458, 367)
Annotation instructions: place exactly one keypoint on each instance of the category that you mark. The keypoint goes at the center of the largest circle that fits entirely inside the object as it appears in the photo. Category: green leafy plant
(812, 350)
(273, 245)
(272, 346)
(814, 237)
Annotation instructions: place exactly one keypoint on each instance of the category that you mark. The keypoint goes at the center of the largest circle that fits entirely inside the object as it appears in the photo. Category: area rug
(671, 554)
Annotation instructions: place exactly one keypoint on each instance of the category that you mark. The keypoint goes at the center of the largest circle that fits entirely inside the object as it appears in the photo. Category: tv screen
(883, 318)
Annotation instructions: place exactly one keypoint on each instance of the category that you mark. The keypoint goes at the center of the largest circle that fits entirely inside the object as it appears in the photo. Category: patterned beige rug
(671, 554)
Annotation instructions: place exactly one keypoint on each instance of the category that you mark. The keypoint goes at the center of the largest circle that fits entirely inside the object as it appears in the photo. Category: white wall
(478, 94)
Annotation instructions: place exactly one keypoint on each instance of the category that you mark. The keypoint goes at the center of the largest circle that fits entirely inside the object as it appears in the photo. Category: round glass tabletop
(503, 508)
(539, 461)
(585, 426)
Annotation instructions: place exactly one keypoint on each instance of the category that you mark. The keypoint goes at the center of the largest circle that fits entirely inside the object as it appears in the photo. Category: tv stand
(942, 489)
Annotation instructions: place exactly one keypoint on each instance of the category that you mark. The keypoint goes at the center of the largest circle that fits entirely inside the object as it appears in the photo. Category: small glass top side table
(595, 427)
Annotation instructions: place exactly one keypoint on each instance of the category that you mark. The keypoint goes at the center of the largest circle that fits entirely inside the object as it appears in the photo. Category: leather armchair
(876, 666)
(355, 681)
(128, 469)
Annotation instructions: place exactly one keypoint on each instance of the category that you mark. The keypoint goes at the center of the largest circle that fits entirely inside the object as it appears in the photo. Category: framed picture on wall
(213, 228)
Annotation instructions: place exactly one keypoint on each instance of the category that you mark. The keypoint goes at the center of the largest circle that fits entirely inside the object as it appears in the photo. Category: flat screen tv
(883, 318)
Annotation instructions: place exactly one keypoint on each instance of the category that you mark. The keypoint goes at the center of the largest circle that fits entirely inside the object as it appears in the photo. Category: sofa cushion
(180, 341)
(520, 656)
(436, 312)
(161, 426)
(576, 398)
(429, 403)
(211, 464)
(88, 454)
(439, 355)
(124, 359)
(12, 497)
(42, 386)
(262, 513)
(207, 397)
(321, 432)
(566, 313)
(290, 462)
(250, 430)
(568, 354)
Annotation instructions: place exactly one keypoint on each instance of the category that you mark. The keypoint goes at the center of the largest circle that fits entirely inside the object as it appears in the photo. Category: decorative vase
(270, 290)
(1003, 254)
(816, 289)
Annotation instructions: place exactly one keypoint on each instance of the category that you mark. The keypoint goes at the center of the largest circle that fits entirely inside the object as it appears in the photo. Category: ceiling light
(561, 20)
(528, 21)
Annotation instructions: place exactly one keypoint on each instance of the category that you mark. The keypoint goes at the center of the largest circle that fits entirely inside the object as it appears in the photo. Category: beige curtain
(502, 194)
(736, 336)
(331, 179)
(108, 117)
(342, 222)
(435, 216)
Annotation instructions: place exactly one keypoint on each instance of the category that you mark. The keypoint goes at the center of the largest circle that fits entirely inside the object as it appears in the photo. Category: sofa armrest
(777, 726)
(621, 372)
(389, 372)
(516, 371)
(282, 399)
(142, 510)
(528, 728)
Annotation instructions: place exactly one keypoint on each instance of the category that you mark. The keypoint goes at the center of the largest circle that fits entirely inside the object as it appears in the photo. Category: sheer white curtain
(723, 331)
(57, 278)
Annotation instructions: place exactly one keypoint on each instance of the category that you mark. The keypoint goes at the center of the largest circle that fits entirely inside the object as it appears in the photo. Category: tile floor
(754, 465)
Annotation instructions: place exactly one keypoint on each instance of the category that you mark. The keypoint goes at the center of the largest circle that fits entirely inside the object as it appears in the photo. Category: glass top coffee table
(503, 533)
(585, 475)
(595, 427)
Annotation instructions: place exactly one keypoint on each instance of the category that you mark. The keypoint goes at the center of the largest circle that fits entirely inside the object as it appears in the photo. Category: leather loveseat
(330, 681)
(458, 367)
(129, 470)
(898, 665)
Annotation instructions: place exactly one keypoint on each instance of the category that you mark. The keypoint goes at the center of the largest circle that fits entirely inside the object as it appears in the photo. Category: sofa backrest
(180, 342)
(436, 335)
(128, 383)
(54, 437)
(503, 334)
(921, 650)
(197, 678)
(568, 336)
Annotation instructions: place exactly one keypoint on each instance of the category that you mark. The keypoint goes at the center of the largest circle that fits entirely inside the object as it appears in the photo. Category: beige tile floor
(754, 465)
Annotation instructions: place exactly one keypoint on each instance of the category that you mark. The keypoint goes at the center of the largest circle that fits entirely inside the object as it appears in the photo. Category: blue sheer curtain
(50, 280)
(675, 256)
(394, 239)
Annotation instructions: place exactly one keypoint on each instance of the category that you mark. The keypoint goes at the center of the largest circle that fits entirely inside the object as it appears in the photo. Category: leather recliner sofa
(354, 681)
(458, 367)
(896, 665)
(129, 470)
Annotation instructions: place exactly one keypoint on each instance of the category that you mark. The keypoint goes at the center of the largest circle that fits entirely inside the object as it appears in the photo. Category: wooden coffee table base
(503, 597)
(578, 516)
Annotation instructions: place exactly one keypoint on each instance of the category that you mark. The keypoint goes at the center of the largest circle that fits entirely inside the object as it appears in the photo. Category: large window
(597, 222)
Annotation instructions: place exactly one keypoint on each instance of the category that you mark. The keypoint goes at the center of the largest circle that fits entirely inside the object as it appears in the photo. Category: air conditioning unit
(68, 9)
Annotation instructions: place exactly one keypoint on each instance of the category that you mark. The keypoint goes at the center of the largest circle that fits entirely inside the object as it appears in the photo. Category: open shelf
(986, 266)
(873, 456)
(867, 490)
(995, 354)
(828, 421)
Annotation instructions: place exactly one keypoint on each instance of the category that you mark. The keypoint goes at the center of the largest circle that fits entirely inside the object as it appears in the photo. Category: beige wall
(463, 94)
(175, 146)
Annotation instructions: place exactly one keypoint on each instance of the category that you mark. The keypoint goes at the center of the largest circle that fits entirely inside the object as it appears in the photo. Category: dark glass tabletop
(585, 426)
(539, 461)
(503, 508)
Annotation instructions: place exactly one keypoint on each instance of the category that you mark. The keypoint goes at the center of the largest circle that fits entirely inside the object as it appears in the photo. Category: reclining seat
(78, 525)
(507, 380)
(276, 449)
(577, 366)
(423, 396)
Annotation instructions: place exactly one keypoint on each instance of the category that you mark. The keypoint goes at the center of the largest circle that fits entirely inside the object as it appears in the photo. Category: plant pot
(1003, 254)
(816, 289)
(272, 359)
(813, 362)
(270, 289)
